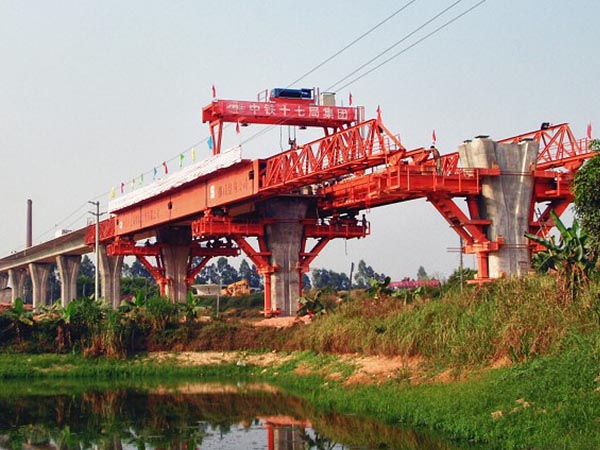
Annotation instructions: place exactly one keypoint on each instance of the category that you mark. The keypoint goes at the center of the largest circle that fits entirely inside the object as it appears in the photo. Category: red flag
(433, 136)
(378, 113)
(166, 167)
(214, 91)
(350, 99)
(589, 130)
(237, 127)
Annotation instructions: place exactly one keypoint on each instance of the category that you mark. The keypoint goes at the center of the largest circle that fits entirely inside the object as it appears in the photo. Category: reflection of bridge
(283, 210)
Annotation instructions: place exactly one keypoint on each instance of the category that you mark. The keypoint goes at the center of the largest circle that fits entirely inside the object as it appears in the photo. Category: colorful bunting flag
(155, 173)
(433, 137)
(122, 187)
(378, 113)
(193, 154)
(210, 142)
(181, 158)
(141, 179)
(112, 193)
(164, 164)
(350, 99)
(589, 130)
(214, 91)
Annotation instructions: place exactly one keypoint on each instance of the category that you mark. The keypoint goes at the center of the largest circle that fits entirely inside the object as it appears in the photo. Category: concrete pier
(68, 271)
(39, 273)
(110, 277)
(505, 199)
(284, 240)
(16, 279)
(175, 249)
(3, 280)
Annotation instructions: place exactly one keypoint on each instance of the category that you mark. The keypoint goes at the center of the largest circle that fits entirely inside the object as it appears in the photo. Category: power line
(379, 55)
(441, 27)
(339, 52)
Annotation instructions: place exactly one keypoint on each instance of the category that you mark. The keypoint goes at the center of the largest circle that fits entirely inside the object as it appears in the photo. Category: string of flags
(156, 170)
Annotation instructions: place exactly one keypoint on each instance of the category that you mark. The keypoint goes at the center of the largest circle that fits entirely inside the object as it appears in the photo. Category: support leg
(110, 277)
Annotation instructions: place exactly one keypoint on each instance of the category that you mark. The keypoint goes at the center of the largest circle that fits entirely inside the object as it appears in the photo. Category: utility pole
(96, 249)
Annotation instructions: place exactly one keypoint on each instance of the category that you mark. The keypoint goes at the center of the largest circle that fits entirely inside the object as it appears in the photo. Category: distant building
(413, 284)
(205, 290)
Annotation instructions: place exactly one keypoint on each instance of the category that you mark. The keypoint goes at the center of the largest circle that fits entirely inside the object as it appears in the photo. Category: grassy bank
(520, 364)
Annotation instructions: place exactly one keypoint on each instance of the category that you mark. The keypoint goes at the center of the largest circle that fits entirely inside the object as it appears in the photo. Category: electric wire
(391, 47)
(347, 46)
(404, 50)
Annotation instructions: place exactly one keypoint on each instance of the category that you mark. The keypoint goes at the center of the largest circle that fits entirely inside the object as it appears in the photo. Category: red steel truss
(240, 231)
(355, 166)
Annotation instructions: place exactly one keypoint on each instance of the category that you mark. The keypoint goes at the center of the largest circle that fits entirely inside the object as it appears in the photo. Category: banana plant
(571, 257)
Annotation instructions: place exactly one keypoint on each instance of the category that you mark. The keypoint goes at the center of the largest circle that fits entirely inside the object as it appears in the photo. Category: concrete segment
(505, 199)
(39, 279)
(110, 277)
(16, 279)
(284, 240)
(175, 249)
(68, 271)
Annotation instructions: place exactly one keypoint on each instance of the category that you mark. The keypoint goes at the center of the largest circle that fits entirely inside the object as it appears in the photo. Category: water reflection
(188, 417)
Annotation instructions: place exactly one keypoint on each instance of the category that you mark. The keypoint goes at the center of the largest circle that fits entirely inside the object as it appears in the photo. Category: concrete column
(110, 277)
(3, 280)
(284, 240)
(16, 279)
(39, 279)
(68, 271)
(505, 199)
(175, 250)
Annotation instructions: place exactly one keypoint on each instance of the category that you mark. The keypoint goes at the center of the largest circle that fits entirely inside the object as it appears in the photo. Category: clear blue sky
(93, 93)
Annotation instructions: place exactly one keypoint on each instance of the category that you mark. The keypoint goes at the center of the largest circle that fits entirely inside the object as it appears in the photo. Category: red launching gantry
(357, 165)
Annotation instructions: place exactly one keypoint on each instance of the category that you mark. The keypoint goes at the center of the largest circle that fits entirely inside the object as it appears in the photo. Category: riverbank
(511, 365)
(551, 402)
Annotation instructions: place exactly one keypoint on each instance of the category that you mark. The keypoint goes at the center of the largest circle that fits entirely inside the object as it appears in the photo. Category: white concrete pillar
(39, 273)
(68, 271)
(3, 280)
(110, 277)
(284, 241)
(175, 250)
(505, 199)
(16, 279)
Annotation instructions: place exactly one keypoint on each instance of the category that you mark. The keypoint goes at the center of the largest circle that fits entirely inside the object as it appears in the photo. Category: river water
(67, 415)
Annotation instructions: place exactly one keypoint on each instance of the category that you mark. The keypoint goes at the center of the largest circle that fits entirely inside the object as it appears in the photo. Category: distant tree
(250, 273)
(323, 278)
(137, 269)
(363, 274)
(226, 271)
(586, 189)
(422, 274)
(87, 267)
(306, 281)
(86, 278)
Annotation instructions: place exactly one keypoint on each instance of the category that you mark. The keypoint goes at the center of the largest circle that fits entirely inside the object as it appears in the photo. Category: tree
(364, 273)
(586, 189)
(138, 270)
(250, 273)
(306, 281)
(226, 271)
(422, 274)
(86, 280)
(323, 278)
(571, 258)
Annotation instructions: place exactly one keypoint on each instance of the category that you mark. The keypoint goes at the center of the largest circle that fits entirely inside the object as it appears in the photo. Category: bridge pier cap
(505, 200)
